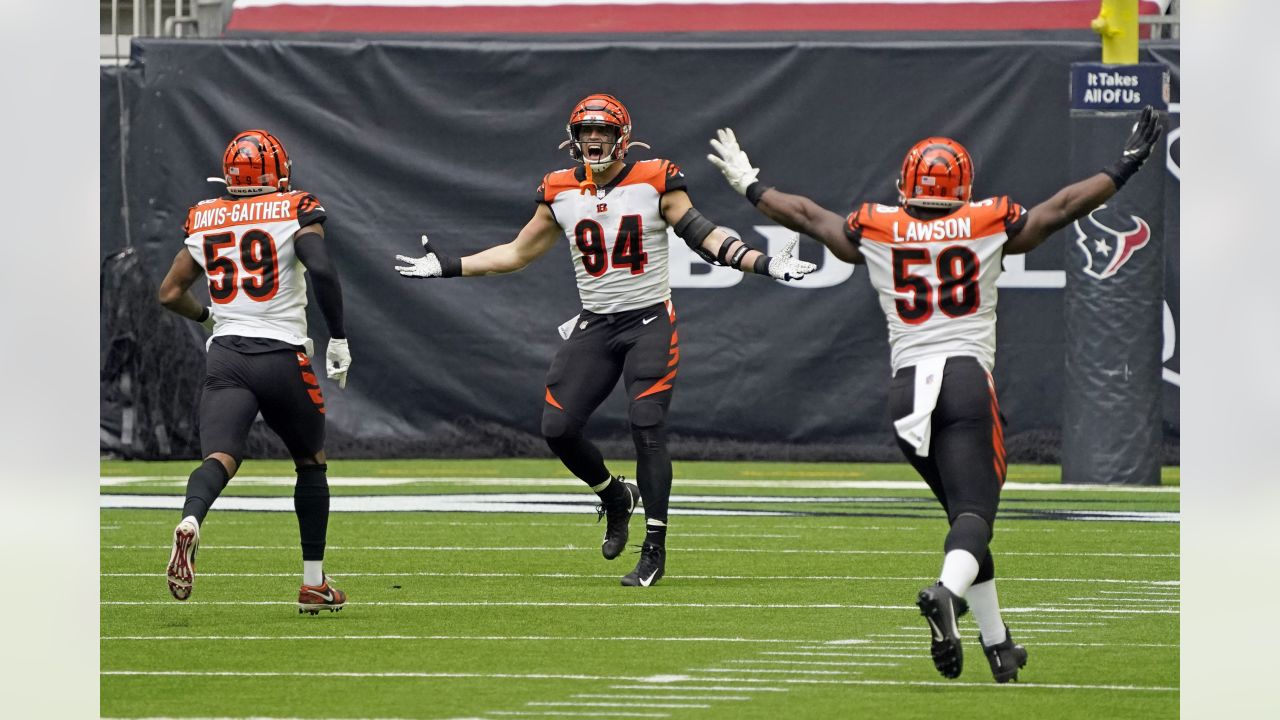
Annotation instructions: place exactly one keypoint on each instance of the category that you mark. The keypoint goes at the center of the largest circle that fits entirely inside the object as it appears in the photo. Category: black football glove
(1138, 147)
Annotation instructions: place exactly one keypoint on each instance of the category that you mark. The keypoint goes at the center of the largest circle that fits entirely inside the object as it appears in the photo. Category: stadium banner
(650, 16)
(400, 138)
(1114, 302)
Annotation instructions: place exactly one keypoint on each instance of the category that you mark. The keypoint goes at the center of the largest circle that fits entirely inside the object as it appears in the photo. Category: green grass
(445, 621)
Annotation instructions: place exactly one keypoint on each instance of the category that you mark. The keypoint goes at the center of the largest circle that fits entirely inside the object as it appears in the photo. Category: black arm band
(1121, 171)
(693, 228)
(736, 261)
(761, 266)
(755, 190)
(204, 314)
(449, 266)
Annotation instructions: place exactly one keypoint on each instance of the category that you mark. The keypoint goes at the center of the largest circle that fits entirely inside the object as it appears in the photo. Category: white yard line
(954, 684)
(702, 688)
(479, 638)
(824, 663)
(588, 576)
(573, 548)
(603, 696)
(289, 480)
(569, 703)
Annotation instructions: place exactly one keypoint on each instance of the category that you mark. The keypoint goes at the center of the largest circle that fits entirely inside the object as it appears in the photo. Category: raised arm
(1074, 201)
(720, 248)
(794, 212)
(532, 242)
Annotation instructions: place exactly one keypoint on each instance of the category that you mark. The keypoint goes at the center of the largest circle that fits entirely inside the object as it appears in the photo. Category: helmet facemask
(598, 152)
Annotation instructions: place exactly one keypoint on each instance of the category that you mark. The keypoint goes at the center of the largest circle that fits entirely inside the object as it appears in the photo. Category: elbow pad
(693, 228)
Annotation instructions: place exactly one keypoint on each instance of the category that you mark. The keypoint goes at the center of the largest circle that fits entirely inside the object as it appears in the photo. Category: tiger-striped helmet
(599, 109)
(937, 173)
(255, 163)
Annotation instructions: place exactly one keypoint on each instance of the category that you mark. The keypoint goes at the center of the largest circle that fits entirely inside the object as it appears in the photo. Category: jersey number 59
(253, 269)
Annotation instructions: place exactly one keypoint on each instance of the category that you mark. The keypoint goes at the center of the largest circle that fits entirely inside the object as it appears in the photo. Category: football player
(252, 244)
(934, 259)
(614, 215)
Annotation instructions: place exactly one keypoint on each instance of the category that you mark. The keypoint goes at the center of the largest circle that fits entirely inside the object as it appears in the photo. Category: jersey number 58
(957, 292)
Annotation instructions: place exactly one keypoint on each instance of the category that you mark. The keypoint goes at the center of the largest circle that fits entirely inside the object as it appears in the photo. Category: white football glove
(733, 162)
(210, 321)
(337, 361)
(785, 266)
(427, 266)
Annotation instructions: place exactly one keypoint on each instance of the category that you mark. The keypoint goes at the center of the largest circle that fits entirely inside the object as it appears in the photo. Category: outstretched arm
(794, 212)
(1074, 201)
(533, 241)
(720, 248)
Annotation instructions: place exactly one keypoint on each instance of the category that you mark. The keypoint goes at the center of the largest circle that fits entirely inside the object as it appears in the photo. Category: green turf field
(492, 600)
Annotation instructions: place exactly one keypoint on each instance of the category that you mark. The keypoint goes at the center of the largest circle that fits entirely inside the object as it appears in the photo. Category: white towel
(915, 428)
(566, 327)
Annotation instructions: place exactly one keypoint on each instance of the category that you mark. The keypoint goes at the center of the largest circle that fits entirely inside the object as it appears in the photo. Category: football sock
(581, 457)
(203, 487)
(986, 610)
(611, 492)
(313, 572)
(311, 505)
(655, 532)
(959, 568)
(653, 470)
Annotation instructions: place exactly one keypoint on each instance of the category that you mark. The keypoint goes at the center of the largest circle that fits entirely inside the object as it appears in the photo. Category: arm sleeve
(853, 226)
(310, 211)
(541, 198)
(674, 177)
(324, 278)
(1015, 217)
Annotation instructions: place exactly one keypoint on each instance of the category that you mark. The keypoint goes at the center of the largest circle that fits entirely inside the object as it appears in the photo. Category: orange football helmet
(599, 109)
(937, 173)
(255, 163)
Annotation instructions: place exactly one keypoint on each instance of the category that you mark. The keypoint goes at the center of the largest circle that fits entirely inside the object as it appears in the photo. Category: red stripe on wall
(756, 17)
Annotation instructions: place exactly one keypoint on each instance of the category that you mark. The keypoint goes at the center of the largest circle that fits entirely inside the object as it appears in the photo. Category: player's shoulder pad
(994, 213)
(662, 174)
(556, 182)
(873, 221)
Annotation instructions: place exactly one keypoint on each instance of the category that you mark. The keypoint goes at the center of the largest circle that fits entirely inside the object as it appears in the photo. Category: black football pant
(965, 467)
(281, 385)
(641, 347)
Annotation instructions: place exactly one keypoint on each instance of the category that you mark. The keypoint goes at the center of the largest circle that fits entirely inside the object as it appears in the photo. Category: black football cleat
(653, 560)
(1006, 658)
(940, 607)
(616, 530)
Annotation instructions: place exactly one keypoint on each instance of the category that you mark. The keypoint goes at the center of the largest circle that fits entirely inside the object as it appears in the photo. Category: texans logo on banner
(1109, 248)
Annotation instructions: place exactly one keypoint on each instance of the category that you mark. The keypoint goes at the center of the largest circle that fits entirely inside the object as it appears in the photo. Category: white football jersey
(246, 247)
(617, 236)
(936, 279)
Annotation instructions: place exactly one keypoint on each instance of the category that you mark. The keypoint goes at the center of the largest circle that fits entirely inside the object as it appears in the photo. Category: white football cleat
(182, 559)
